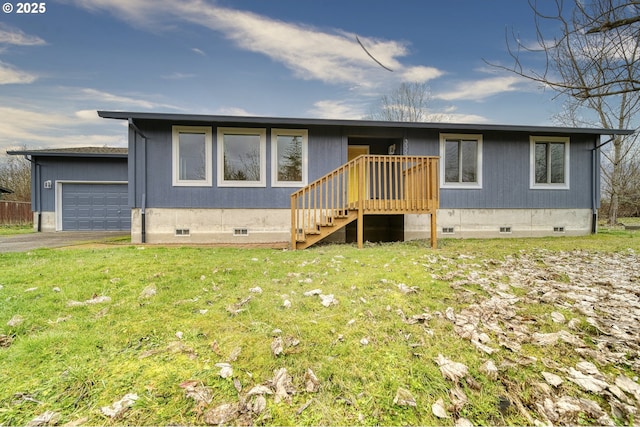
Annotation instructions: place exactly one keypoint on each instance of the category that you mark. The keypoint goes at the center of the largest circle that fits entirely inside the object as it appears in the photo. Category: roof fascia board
(281, 121)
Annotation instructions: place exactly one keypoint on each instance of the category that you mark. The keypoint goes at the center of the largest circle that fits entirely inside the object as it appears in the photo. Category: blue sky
(286, 58)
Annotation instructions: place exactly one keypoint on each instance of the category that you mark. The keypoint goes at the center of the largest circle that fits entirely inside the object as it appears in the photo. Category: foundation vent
(447, 230)
(182, 232)
(241, 231)
(558, 229)
(505, 229)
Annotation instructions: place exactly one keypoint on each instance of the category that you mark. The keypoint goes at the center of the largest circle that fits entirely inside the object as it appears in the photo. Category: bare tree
(15, 175)
(407, 103)
(594, 60)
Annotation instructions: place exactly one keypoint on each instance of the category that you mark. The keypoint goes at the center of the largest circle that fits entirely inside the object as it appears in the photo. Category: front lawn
(331, 335)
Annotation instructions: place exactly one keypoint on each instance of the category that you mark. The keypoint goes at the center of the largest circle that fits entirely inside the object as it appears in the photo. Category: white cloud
(233, 111)
(88, 116)
(478, 90)
(36, 129)
(16, 37)
(198, 51)
(122, 101)
(456, 118)
(334, 109)
(311, 53)
(420, 74)
(11, 75)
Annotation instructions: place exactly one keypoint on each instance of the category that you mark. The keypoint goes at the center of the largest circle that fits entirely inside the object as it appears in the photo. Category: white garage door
(87, 207)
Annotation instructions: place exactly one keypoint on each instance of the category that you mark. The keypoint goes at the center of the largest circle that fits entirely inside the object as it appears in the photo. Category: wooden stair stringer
(327, 229)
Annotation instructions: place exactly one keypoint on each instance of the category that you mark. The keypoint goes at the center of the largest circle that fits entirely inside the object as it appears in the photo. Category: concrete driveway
(31, 241)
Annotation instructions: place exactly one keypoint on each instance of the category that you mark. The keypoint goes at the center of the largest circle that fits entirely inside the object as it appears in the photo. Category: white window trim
(460, 185)
(262, 133)
(304, 133)
(175, 157)
(533, 185)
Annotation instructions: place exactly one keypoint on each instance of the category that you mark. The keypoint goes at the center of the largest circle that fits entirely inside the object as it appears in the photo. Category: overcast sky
(283, 58)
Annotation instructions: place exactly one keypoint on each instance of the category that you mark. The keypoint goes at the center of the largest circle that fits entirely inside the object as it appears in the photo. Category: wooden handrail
(368, 184)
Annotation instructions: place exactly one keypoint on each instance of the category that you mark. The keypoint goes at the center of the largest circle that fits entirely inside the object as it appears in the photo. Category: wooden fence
(15, 213)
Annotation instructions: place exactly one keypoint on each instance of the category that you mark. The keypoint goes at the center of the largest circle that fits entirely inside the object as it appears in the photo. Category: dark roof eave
(44, 153)
(281, 121)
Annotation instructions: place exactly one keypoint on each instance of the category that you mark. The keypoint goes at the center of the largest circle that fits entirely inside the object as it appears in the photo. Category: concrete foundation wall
(273, 225)
(212, 225)
(47, 221)
(486, 223)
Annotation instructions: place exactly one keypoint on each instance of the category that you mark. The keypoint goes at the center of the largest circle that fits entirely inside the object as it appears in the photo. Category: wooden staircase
(366, 185)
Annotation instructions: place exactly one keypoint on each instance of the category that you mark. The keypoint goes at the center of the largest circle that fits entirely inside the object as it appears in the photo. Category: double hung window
(461, 161)
(191, 156)
(549, 162)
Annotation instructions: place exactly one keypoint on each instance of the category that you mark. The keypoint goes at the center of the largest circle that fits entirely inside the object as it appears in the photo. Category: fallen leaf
(587, 382)
(628, 385)
(490, 369)
(439, 410)
(301, 409)
(15, 320)
(121, 406)
(148, 291)
(5, 341)
(463, 422)
(552, 379)
(222, 414)
(259, 389)
(328, 300)
(236, 308)
(94, 300)
(45, 419)
(312, 383)
(259, 404)
(404, 398)
(226, 371)
(451, 370)
(558, 317)
(197, 391)
(458, 399)
(237, 384)
(407, 289)
(282, 385)
(234, 354)
(276, 346)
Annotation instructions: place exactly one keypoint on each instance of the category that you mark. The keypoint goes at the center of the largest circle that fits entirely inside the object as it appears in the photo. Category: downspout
(38, 192)
(143, 205)
(595, 171)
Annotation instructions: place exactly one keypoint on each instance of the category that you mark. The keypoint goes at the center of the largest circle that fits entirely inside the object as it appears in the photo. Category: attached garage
(79, 189)
(94, 206)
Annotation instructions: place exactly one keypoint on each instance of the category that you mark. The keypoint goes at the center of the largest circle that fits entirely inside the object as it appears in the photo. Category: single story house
(227, 179)
(79, 189)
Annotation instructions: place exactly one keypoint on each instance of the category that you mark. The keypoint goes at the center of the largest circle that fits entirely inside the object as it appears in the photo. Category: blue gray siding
(72, 169)
(505, 169)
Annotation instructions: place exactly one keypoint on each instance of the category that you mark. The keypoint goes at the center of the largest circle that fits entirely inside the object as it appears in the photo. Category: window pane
(556, 152)
(242, 157)
(541, 163)
(452, 162)
(469, 160)
(289, 158)
(191, 153)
